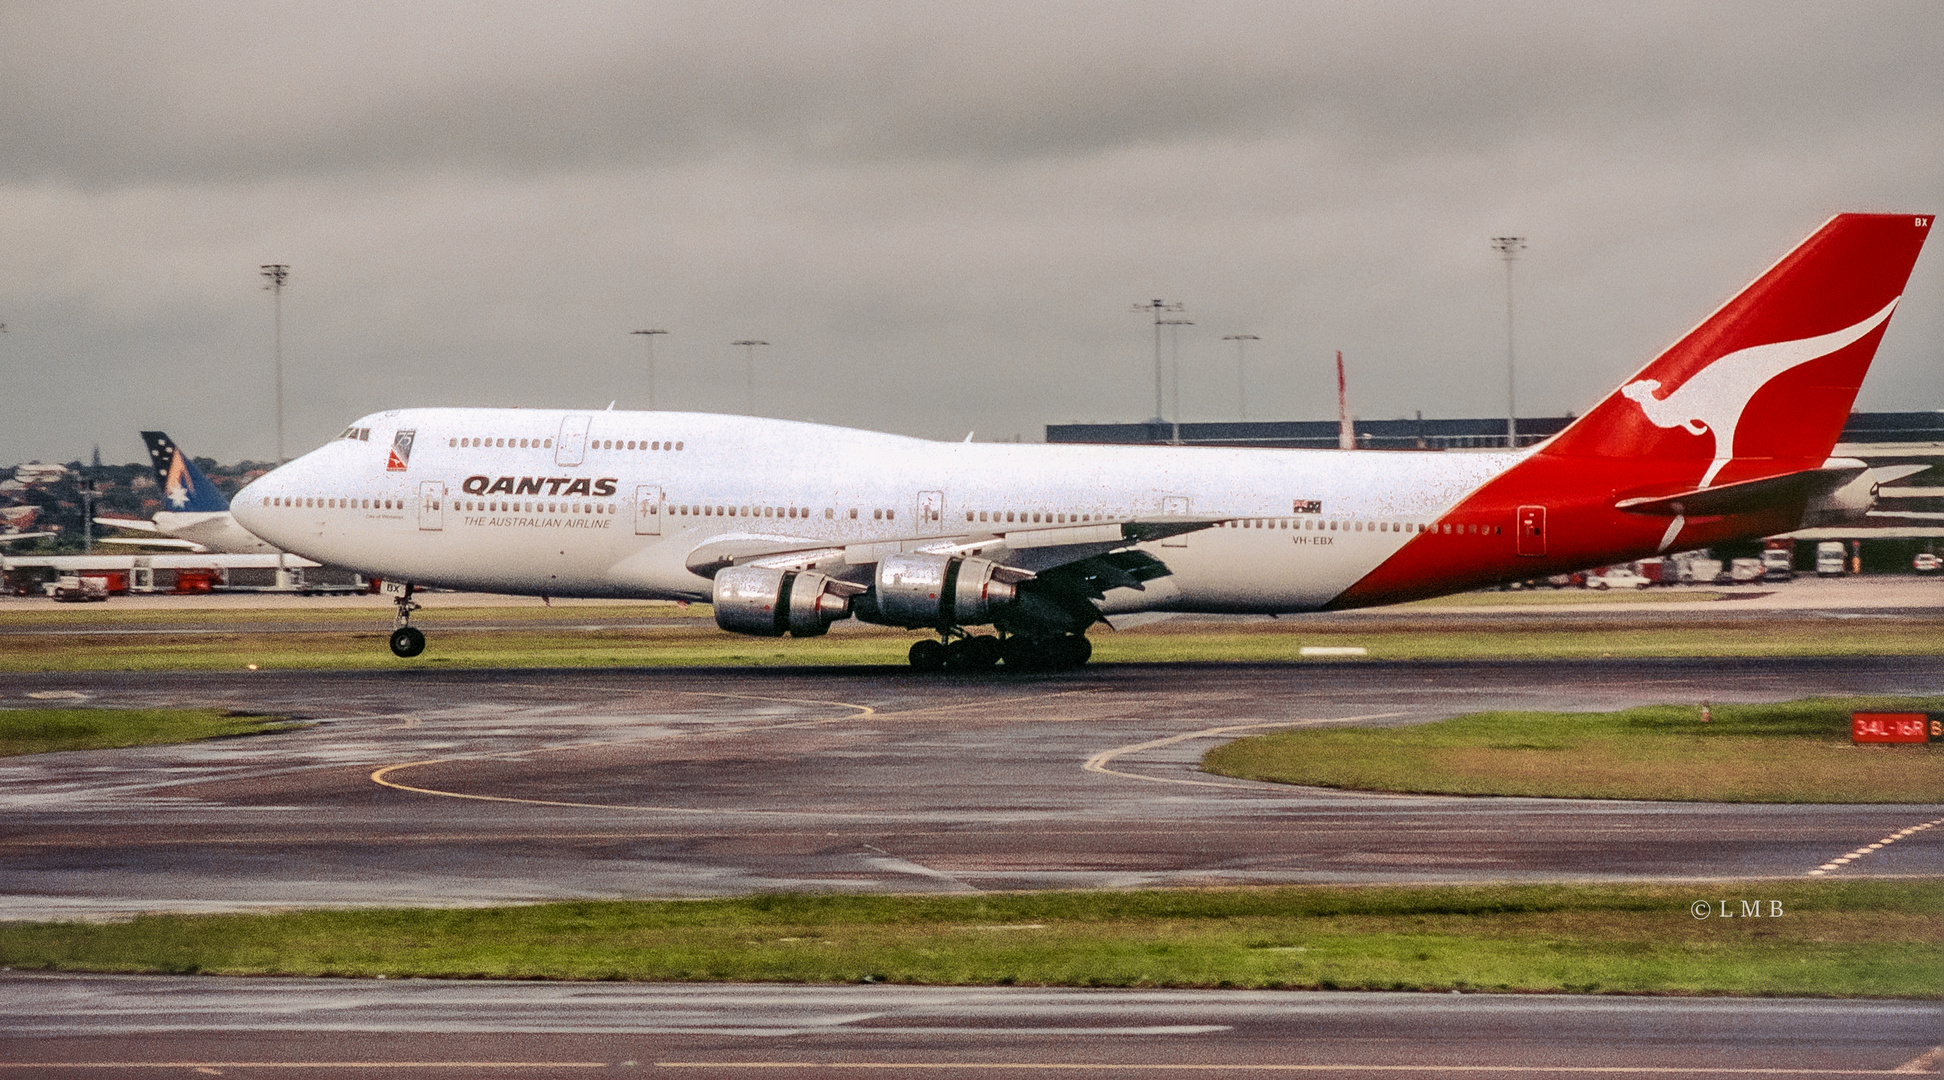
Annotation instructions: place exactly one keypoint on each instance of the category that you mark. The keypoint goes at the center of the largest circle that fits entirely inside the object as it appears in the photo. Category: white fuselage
(577, 512)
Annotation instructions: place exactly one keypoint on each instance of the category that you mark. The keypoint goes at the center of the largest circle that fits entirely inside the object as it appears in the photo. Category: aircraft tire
(986, 652)
(928, 655)
(1023, 654)
(1078, 650)
(407, 642)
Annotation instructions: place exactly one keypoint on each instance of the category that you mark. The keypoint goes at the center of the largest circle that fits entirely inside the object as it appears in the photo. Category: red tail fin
(1764, 385)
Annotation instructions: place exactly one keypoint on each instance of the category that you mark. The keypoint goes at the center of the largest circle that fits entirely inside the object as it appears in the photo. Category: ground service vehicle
(77, 590)
(788, 527)
(1830, 560)
(1778, 564)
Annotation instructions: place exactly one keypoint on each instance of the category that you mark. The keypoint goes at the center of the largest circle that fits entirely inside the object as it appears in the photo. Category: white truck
(73, 589)
(1830, 560)
(1745, 571)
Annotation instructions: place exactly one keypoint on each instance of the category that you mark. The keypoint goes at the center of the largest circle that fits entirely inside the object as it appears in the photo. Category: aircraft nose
(257, 506)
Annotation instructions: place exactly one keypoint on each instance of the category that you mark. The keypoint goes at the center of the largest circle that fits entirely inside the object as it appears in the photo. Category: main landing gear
(406, 641)
(969, 652)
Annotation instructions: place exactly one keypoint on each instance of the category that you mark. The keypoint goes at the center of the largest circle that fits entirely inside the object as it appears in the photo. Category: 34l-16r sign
(1895, 727)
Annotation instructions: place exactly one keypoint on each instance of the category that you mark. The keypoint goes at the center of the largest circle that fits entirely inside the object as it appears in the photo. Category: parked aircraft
(15, 520)
(787, 527)
(195, 515)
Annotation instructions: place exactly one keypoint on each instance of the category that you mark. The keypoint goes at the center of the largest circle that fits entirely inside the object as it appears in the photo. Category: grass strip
(1832, 938)
(41, 731)
(700, 645)
(1796, 752)
(368, 611)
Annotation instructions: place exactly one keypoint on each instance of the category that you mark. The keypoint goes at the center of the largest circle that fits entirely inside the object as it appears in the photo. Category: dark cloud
(939, 213)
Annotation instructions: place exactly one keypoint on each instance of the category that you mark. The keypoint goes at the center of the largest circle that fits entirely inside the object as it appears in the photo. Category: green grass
(363, 646)
(1796, 751)
(1876, 938)
(41, 731)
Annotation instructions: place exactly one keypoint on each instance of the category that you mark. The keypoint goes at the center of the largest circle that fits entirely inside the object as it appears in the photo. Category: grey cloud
(95, 97)
(939, 214)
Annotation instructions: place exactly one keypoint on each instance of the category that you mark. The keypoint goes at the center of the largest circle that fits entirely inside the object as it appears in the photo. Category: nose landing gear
(407, 641)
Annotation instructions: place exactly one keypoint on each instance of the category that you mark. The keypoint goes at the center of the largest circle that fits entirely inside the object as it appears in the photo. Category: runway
(60, 1026)
(484, 787)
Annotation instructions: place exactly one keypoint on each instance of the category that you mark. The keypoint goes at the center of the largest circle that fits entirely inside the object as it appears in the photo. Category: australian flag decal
(401, 451)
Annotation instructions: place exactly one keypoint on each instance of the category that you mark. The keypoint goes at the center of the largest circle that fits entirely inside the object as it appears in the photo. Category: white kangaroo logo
(1713, 399)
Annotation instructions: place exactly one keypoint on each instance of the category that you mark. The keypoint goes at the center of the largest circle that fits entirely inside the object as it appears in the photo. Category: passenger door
(931, 512)
(648, 510)
(572, 443)
(1532, 530)
(432, 505)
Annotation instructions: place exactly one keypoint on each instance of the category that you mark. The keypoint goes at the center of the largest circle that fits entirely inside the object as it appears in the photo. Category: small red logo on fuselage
(401, 451)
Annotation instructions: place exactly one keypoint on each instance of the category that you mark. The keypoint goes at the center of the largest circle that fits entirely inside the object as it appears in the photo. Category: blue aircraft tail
(184, 487)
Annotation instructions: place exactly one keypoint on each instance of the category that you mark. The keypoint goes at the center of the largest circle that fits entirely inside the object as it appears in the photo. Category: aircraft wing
(131, 524)
(8, 538)
(1021, 554)
(153, 541)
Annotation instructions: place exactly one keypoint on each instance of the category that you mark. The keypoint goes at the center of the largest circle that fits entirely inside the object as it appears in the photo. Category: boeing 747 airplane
(788, 527)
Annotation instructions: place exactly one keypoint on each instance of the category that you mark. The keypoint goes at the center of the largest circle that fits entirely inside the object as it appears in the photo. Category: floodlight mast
(1174, 364)
(277, 272)
(648, 338)
(749, 367)
(1241, 372)
(1508, 248)
(1158, 307)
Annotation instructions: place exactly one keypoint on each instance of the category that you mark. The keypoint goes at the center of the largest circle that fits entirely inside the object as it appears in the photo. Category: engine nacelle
(769, 603)
(938, 590)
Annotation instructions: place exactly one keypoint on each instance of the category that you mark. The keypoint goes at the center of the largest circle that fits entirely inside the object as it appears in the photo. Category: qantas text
(539, 485)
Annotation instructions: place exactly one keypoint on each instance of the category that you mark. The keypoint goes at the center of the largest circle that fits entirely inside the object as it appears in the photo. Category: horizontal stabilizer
(1749, 496)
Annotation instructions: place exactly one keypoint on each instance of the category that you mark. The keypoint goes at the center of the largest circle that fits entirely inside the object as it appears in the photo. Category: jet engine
(919, 590)
(769, 603)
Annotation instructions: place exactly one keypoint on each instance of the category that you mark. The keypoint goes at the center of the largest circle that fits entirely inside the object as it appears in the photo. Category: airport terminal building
(1910, 510)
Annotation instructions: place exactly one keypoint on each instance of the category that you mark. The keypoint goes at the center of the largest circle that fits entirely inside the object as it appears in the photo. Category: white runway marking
(1846, 858)
(1098, 762)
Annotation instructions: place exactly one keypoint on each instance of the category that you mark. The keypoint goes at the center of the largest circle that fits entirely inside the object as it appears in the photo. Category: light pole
(1241, 369)
(1508, 248)
(648, 337)
(277, 272)
(1174, 362)
(749, 367)
(1157, 307)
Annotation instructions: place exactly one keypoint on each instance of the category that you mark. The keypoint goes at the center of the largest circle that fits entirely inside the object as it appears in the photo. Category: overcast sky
(939, 215)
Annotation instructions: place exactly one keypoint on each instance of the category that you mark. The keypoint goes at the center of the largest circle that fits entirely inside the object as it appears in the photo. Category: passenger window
(678, 446)
(877, 515)
(658, 444)
(853, 513)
